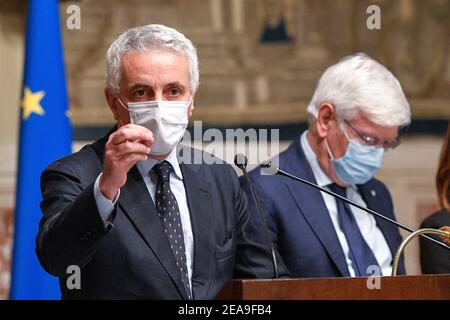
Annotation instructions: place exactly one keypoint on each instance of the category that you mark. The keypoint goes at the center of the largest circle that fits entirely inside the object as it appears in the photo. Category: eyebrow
(175, 83)
(139, 85)
(143, 85)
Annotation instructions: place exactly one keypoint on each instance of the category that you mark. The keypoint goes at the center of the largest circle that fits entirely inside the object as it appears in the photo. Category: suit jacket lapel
(200, 206)
(137, 204)
(374, 202)
(312, 206)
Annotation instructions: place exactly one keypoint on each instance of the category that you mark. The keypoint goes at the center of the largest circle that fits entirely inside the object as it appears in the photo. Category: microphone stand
(408, 239)
(240, 161)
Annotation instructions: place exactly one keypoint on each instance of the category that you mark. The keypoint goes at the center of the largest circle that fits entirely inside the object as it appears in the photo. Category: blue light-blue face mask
(359, 163)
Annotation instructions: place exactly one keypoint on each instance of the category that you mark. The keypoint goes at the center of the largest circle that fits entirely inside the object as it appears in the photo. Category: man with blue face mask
(354, 118)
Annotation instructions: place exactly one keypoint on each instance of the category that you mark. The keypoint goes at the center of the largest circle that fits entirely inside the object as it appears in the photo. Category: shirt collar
(145, 166)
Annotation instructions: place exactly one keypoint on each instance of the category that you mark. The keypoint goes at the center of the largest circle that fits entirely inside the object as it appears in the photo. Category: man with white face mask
(138, 222)
(355, 113)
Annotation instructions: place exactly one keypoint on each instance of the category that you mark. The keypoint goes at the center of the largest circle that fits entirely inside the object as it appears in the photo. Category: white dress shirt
(106, 206)
(365, 221)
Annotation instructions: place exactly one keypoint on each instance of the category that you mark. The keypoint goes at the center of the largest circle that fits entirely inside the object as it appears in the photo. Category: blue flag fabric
(45, 136)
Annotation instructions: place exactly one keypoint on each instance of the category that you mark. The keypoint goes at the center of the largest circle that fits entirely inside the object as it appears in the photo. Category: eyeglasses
(373, 141)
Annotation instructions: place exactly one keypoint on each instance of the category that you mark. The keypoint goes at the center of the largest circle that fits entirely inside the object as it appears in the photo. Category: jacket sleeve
(71, 226)
(253, 258)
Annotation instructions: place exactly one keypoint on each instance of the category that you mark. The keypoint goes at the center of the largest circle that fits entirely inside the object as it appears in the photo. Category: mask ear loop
(328, 149)
(191, 104)
(122, 104)
(342, 128)
(346, 135)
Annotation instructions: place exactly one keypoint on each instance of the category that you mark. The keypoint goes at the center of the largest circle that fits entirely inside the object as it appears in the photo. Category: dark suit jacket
(300, 224)
(433, 258)
(131, 258)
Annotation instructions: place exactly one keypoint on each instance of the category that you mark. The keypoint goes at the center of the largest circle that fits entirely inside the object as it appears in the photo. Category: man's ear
(111, 100)
(325, 117)
(191, 107)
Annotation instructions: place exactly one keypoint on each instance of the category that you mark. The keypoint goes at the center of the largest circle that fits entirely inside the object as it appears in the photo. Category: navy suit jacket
(300, 224)
(130, 257)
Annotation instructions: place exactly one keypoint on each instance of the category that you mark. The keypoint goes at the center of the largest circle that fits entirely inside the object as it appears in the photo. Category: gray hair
(146, 38)
(358, 83)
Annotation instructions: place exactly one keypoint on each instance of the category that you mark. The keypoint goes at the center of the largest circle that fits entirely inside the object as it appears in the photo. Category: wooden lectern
(436, 287)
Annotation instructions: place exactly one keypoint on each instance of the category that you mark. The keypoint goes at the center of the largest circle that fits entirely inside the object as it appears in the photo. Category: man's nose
(159, 96)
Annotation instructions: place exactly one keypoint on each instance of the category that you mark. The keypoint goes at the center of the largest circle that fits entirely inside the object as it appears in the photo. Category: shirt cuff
(104, 205)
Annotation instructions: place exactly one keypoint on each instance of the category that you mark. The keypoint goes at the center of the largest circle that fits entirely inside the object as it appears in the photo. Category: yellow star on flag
(31, 102)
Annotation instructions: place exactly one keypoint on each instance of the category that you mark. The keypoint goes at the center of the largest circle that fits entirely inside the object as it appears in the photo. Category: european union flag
(45, 135)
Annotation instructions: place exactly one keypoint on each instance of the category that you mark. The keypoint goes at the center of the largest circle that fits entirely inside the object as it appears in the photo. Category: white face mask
(167, 120)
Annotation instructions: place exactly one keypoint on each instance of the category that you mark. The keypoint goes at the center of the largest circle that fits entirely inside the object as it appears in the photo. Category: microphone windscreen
(240, 161)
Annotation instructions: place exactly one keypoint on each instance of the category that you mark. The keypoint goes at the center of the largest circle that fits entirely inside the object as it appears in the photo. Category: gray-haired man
(355, 114)
(139, 223)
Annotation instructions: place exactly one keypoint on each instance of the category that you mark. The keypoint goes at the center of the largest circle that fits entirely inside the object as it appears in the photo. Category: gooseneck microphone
(240, 161)
(276, 170)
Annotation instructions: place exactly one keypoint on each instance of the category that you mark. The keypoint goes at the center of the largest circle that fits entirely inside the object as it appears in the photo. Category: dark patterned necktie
(169, 213)
(360, 253)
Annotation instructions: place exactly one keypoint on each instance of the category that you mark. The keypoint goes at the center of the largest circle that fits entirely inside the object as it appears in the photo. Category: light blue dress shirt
(106, 206)
(365, 221)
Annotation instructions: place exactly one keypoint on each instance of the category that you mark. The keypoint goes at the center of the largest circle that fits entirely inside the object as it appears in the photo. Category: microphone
(240, 161)
(275, 170)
